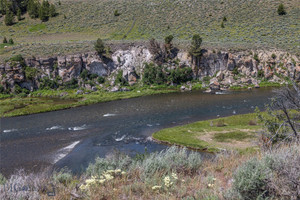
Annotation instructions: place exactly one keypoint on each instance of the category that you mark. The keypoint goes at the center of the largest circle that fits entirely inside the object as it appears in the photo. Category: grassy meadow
(248, 24)
(237, 132)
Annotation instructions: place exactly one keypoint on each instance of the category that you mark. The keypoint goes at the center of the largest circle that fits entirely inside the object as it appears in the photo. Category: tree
(116, 13)
(195, 50)
(99, 46)
(3, 6)
(44, 11)
(224, 19)
(33, 7)
(9, 18)
(222, 25)
(19, 14)
(281, 10)
(11, 41)
(282, 118)
(4, 40)
(169, 39)
(52, 11)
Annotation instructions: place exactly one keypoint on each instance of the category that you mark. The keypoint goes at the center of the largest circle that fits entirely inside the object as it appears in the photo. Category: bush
(72, 84)
(30, 72)
(2, 179)
(18, 58)
(250, 179)
(275, 176)
(99, 46)
(47, 83)
(120, 79)
(64, 176)
(4, 40)
(93, 76)
(9, 18)
(260, 73)
(235, 71)
(281, 10)
(256, 58)
(116, 13)
(84, 74)
(180, 75)
(154, 75)
(101, 79)
(169, 39)
(273, 56)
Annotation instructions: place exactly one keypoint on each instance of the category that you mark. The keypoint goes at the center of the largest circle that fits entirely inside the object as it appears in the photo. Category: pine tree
(11, 41)
(195, 48)
(44, 11)
(3, 7)
(222, 25)
(19, 14)
(4, 40)
(52, 11)
(281, 10)
(9, 18)
(99, 46)
(33, 8)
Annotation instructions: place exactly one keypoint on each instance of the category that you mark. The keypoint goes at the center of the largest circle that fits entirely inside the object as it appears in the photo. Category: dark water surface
(74, 137)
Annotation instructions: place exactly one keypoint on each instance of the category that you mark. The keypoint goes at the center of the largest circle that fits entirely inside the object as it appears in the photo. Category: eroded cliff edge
(224, 68)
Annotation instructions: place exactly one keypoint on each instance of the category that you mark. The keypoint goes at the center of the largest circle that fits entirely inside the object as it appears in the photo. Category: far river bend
(74, 137)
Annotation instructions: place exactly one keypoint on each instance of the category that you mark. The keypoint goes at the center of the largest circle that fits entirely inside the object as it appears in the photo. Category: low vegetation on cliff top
(248, 24)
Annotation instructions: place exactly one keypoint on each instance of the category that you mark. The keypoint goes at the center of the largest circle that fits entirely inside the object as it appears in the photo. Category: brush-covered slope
(250, 24)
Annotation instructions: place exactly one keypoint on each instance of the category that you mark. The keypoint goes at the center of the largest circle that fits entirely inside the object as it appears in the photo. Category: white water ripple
(64, 151)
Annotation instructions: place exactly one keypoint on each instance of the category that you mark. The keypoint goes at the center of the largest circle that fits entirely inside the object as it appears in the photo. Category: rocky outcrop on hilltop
(224, 69)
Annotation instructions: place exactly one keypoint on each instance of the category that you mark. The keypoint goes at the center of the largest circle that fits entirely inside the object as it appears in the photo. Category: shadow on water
(74, 137)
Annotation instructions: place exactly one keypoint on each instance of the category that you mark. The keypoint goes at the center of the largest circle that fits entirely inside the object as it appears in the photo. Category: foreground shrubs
(276, 175)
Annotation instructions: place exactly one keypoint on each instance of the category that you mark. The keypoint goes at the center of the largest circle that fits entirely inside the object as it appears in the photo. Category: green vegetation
(250, 25)
(281, 10)
(99, 46)
(234, 132)
(50, 100)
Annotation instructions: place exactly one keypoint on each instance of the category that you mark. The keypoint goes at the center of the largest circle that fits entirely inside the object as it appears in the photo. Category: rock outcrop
(227, 68)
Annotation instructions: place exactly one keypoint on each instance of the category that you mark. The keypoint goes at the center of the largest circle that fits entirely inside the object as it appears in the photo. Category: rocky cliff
(226, 68)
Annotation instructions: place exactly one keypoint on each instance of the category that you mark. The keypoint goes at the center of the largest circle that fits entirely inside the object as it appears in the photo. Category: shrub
(99, 46)
(84, 74)
(224, 19)
(44, 11)
(154, 75)
(222, 25)
(281, 10)
(256, 58)
(120, 79)
(11, 41)
(30, 72)
(52, 11)
(169, 39)
(64, 176)
(19, 14)
(93, 76)
(72, 84)
(273, 56)
(220, 123)
(116, 13)
(180, 75)
(235, 71)
(252, 123)
(2, 179)
(101, 79)
(260, 73)
(250, 179)
(4, 40)
(47, 83)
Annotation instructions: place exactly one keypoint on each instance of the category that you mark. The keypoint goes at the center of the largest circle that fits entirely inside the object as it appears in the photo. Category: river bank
(237, 132)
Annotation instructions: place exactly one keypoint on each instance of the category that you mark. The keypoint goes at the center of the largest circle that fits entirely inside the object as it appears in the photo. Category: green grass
(250, 24)
(50, 100)
(37, 27)
(227, 137)
(209, 135)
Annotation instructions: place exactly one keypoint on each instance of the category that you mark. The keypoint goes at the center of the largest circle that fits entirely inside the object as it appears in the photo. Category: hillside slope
(250, 24)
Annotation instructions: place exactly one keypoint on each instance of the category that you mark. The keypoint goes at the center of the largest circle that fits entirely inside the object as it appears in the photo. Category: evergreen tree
(3, 7)
(11, 41)
(222, 25)
(195, 49)
(52, 11)
(4, 40)
(169, 39)
(9, 18)
(19, 14)
(44, 11)
(33, 8)
(99, 46)
(281, 10)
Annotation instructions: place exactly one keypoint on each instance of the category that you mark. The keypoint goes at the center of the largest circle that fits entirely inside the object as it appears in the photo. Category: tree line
(35, 8)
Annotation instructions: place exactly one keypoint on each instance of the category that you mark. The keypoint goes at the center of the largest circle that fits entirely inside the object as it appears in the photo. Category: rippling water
(74, 137)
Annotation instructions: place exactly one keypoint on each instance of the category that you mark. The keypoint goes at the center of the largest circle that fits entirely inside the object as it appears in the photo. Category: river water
(74, 137)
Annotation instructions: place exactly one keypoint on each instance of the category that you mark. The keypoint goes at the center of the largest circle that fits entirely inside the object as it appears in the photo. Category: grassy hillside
(249, 24)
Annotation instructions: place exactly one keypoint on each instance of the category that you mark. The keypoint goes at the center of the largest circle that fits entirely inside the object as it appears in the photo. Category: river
(74, 137)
